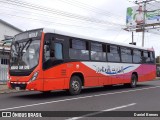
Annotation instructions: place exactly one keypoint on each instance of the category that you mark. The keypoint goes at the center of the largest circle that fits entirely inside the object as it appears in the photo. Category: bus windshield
(24, 54)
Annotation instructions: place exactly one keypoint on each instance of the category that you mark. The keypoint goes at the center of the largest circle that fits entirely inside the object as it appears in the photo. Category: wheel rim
(133, 81)
(75, 86)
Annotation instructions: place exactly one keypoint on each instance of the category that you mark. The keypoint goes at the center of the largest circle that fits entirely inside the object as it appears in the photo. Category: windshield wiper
(27, 43)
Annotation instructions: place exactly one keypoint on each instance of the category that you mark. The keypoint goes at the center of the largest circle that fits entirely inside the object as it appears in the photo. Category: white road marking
(77, 98)
(95, 113)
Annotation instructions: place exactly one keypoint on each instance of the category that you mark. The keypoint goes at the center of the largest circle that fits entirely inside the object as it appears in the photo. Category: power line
(58, 12)
(89, 27)
(117, 35)
(91, 8)
(53, 17)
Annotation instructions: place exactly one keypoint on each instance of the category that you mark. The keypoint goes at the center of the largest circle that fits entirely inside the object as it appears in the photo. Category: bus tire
(75, 85)
(133, 82)
(46, 92)
(108, 86)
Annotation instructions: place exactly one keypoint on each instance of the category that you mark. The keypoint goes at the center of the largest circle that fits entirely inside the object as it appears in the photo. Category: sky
(104, 19)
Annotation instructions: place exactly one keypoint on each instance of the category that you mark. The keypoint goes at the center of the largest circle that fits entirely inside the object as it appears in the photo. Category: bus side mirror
(46, 52)
(46, 48)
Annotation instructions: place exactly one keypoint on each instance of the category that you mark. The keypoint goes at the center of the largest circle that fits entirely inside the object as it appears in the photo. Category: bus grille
(21, 86)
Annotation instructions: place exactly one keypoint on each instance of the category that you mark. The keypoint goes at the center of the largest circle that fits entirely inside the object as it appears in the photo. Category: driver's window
(46, 52)
(52, 52)
(47, 44)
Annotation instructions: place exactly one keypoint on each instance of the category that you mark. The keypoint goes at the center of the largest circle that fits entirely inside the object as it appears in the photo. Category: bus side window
(152, 57)
(146, 57)
(113, 53)
(126, 54)
(137, 56)
(98, 51)
(79, 49)
(58, 51)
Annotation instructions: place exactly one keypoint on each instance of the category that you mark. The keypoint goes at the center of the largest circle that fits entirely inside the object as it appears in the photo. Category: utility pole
(132, 43)
(132, 38)
(144, 19)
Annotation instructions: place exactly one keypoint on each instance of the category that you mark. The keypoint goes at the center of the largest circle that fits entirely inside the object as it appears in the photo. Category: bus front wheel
(75, 85)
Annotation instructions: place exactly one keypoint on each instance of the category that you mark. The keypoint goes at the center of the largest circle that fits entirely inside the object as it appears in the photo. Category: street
(145, 97)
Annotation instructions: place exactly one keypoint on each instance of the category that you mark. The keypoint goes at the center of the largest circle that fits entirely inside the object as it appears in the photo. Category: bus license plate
(17, 88)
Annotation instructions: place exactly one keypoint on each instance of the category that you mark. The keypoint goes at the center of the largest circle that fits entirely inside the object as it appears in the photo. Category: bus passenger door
(52, 63)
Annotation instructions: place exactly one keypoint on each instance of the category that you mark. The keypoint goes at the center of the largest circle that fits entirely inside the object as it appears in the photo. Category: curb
(157, 78)
(10, 91)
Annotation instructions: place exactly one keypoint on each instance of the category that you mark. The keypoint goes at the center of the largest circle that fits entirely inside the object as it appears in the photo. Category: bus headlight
(34, 77)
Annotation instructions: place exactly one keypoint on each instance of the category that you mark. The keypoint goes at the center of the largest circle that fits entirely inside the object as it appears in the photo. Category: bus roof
(65, 33)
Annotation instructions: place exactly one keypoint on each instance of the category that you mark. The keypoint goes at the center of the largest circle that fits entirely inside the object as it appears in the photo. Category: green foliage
(129, 11)
(134, 17)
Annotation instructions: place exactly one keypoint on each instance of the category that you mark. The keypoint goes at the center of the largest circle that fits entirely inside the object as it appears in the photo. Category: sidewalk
(4, 89)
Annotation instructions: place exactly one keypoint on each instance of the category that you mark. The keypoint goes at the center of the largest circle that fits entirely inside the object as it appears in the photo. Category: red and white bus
(46, 60)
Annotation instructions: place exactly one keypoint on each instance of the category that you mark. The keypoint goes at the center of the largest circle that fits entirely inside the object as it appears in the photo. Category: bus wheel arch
(136, 74)
(133, 80)
(79, 74)
(76, 83)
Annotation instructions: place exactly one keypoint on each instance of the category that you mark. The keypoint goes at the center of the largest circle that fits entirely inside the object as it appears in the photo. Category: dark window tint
(126, 55)
(79, 54)
(4, 61)
(113, 49)
(98, 52)
(137, 56)
(96, 47)
(78, 44)
(152, 56)
(113, 53)
(146, 57)
(79, 50)
(53, 52)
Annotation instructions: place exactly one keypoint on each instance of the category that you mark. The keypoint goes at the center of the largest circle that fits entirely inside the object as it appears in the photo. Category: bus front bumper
(25, 85)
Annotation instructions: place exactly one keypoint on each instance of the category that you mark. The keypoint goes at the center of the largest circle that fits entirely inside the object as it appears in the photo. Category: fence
(3, 73)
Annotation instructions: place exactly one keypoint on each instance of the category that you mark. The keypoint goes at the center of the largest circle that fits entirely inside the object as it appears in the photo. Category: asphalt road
(145, 97)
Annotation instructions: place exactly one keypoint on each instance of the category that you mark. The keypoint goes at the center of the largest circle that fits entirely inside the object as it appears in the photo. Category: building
(4, 60)
(7, 31)
(158, 59)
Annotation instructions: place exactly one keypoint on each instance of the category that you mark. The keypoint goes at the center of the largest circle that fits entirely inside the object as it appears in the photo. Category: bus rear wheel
(108, 86)
(133, 82)
(75, 85)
